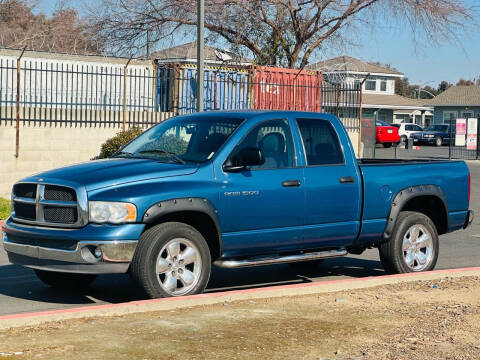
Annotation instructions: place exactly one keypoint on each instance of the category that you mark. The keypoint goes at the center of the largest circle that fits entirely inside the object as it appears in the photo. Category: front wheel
(171, 259)
(65, 280)
(413, 246)
(439, 141)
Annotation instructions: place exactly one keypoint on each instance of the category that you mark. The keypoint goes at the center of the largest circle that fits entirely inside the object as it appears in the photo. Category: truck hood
(109, 172)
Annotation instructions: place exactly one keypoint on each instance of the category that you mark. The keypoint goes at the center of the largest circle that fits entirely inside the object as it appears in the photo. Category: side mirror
(249, 156)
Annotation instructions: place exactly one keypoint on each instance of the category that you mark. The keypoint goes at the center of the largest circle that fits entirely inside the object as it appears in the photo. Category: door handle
(291, 183)
(347, 179)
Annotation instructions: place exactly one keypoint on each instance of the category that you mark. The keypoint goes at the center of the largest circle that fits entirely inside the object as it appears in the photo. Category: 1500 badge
(242, 193)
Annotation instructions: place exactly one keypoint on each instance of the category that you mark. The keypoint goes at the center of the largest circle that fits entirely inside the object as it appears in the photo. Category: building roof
(392, 102)
(353, 65)
(457, 96)
(48, 55)
(188, 52)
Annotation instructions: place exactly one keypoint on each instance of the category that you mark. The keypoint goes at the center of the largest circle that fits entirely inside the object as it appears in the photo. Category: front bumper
(75, 251)
(424, 141)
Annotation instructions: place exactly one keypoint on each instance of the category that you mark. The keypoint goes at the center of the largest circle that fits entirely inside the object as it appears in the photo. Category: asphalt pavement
(20, 291)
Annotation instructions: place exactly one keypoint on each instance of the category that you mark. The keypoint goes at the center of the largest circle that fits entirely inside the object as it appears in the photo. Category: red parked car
(387, 134)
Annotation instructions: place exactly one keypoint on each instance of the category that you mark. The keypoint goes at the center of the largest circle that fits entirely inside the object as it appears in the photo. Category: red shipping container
(276, 88)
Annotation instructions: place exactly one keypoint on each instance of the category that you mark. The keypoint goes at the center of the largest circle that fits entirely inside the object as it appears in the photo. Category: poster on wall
(472, 134)
(460, 132)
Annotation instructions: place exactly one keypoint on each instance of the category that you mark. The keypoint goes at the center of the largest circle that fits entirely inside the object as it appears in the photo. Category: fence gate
(463, 139)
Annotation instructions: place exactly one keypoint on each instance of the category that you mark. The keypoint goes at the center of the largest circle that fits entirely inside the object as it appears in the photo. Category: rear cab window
(320, 142)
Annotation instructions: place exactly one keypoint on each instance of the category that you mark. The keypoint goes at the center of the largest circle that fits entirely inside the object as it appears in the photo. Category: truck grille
(59, 193)
(47, 205)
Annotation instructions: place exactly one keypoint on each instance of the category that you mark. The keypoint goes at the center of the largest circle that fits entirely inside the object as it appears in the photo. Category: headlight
(111, 212)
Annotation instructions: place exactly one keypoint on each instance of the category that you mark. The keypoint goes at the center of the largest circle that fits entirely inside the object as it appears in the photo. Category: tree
(444, 85)
(403, 87)
(463, 82)
(62, 32)
(276, 32)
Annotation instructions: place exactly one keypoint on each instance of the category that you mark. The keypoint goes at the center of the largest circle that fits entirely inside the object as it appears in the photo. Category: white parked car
(405, 130)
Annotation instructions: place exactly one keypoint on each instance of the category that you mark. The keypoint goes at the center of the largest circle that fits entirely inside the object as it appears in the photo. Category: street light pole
(200, 50)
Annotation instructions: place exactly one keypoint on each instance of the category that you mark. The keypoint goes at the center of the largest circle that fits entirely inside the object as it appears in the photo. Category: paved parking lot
(20, 291)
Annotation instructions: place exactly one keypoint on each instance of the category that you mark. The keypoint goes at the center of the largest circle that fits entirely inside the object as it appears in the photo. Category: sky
(422, 63)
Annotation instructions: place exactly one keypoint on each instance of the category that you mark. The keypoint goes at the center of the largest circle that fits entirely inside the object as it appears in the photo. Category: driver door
(262, 207)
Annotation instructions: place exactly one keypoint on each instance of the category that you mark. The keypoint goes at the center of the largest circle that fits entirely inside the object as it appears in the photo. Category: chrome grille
(49, 205)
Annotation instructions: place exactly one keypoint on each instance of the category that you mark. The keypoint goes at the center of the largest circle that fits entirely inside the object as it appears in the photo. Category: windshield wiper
(122, 154)
(171, 154)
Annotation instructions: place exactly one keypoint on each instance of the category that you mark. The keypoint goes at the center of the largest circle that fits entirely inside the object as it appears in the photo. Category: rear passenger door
(332, 188)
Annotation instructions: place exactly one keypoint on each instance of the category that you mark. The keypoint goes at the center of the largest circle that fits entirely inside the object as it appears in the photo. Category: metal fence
(463, 147)
(68, 94)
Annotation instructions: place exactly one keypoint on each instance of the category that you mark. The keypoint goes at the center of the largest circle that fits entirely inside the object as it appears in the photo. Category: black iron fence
(71, 94)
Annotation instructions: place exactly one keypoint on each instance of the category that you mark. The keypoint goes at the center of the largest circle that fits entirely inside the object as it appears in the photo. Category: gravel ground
(416, 320)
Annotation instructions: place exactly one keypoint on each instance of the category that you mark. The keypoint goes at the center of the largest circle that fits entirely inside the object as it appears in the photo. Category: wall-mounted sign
(472, 134)
(461, 130)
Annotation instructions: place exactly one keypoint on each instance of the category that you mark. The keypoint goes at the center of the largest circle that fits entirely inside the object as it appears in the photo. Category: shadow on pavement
(21, 283)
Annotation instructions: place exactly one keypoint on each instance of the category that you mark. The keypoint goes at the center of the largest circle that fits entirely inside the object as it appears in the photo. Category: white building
(379, 98)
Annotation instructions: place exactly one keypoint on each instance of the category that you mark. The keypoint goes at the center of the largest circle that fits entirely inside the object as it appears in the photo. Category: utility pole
(148, 44)
(200, 50)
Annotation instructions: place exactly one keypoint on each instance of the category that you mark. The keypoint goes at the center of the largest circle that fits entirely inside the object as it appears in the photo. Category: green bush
(4, 208)
(113, 144)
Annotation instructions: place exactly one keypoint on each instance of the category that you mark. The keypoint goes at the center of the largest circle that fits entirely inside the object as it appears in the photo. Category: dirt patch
(416, 320)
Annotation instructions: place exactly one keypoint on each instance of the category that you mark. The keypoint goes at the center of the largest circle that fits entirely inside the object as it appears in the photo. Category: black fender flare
(403, 196)
(170, 206)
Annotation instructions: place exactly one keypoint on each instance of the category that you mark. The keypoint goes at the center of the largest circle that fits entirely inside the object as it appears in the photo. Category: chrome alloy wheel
(178, 266)
(417, 248)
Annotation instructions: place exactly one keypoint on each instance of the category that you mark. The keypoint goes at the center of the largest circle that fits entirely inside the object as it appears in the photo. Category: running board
(277, 259)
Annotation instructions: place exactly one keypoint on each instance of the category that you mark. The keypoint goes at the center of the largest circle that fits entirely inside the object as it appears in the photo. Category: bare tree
(62, 32)
(276, 31)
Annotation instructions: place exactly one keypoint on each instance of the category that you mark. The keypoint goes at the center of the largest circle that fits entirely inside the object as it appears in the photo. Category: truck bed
(400, 161)
(383, 179)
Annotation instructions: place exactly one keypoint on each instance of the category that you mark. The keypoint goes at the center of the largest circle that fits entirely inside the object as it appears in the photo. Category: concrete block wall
(46, 147)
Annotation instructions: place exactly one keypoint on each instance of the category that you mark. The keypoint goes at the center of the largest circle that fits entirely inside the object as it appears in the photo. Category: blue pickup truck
(231, 189)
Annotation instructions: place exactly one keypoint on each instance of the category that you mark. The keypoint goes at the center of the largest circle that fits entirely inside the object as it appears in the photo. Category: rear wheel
(413, 246)
(65, 280)
(171, 259)
(387, 145)
(403, 139)
(439, 141)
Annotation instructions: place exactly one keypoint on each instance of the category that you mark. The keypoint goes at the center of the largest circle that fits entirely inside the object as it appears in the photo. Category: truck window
(274, 138)
(320, 141)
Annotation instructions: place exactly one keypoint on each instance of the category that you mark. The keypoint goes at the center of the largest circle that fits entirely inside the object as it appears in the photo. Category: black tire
(438, 141)
(387, 145)
(150, 248)
(65, 280)
(391, 252)
(403, 139)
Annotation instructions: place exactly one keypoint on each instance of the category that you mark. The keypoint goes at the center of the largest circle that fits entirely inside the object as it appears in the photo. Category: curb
(165, 304)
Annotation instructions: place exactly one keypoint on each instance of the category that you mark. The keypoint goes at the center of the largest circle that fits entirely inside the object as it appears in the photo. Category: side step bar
(277, 259)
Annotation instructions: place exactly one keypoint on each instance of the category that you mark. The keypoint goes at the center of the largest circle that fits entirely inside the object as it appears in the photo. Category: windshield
(443, 128)
(182, 140)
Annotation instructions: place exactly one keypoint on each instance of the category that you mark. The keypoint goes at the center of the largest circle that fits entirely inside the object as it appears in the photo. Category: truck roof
(248, 114)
